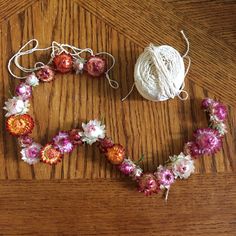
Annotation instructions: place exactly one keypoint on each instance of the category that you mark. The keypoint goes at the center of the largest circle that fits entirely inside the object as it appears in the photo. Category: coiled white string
(159, 73)
(56, 48)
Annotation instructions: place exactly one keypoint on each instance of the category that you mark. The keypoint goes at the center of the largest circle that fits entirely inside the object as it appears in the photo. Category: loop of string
(56, 49)
(20, 53)
(114, 84)
(156, 69)
(182, 91)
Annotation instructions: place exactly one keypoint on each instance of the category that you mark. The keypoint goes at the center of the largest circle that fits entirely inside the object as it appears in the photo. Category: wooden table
(85, 195)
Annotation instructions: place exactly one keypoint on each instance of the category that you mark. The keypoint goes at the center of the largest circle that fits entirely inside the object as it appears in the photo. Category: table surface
(85, 195)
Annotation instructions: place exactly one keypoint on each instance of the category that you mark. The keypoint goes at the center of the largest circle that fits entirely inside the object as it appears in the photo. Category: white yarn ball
(159, 73)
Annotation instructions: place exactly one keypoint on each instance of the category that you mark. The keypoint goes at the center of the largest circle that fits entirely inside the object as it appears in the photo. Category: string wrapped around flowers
(64, 59)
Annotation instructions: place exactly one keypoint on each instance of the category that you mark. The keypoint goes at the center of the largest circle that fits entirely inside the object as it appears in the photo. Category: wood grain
(91, 196)
(10, 8)
(69, 208)
(218, 18)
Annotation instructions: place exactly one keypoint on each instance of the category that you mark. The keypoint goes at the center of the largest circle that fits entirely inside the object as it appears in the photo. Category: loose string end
(187, 43)
(167, 194)
(131, 90)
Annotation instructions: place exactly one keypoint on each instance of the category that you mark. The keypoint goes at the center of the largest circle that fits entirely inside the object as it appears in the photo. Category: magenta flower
(207, 141)
(165, 176)
(216, 109)
(62, 142)
(24, 91)
(219, 111)
(127, 167)
(207, 102)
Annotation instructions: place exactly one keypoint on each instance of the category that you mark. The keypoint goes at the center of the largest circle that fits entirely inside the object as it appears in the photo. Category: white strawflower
(93, 131)
(32, 80)
(137, 172)
(79, 66)
(16, 106)
(182, 166)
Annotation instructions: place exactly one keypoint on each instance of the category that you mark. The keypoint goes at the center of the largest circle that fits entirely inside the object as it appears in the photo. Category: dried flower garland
(206, 141)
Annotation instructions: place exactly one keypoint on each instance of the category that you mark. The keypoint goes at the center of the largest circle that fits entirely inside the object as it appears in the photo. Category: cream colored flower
(182, 166)
(93, 131)
(16, 106)
(32, 80)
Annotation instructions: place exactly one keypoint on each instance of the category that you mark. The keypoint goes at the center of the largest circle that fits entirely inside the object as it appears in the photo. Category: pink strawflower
(165, 176)
(24, 91)
(25, 141)
(148, 184)
(31, 154)
(62, 142)
(216, 109)
(207, 141)
(207, 102)
(219, 111)
(127, 167)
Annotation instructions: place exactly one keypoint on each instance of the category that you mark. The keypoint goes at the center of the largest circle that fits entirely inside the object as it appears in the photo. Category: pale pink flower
(16, 106)
(31, 154)
(93, 131)
(32, 80)
(182, 166)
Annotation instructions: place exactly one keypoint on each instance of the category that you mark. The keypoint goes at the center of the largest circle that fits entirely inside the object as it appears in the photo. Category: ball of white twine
(160, 72)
